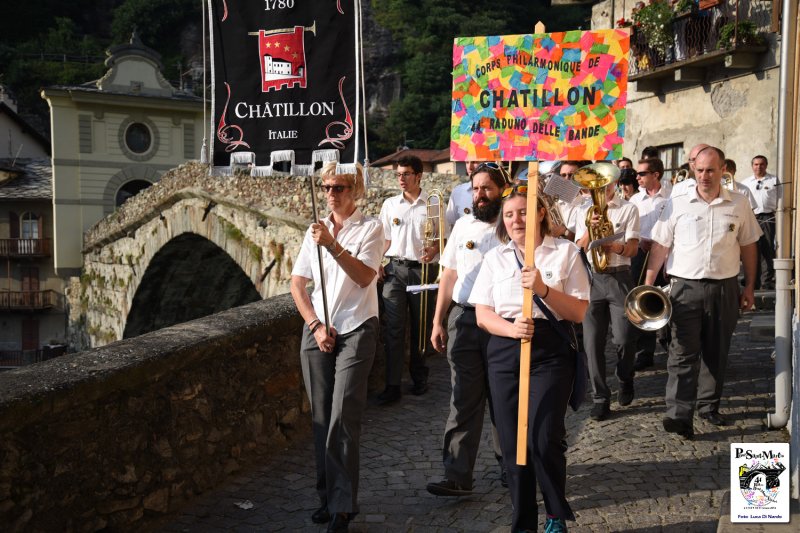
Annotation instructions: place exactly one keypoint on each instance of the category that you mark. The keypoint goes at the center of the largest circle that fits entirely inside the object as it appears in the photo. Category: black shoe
(446, 487)
(600, 411)
(389, 395)
(503, 477)
(340, 523)
(715, 418)
(321, 515)
(625, 396)
(684, 429)
(642, 362)
(420, 387)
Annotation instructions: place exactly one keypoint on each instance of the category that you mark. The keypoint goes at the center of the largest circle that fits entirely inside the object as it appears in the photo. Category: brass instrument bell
(596, 177)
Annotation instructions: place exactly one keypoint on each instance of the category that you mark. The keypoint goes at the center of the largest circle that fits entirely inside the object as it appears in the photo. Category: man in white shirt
(403, 217)
(690, 181)
(764, 187)
(705, 231)
(650, 200)
(607, 301)
(460, 202)
(570, 210)
(472, 236)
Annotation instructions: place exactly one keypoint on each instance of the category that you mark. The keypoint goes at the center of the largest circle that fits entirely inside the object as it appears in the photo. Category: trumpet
(648, 307)
(432, 232)
(596, 177)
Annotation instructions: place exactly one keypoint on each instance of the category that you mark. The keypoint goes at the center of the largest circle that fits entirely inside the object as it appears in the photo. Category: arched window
(129, 189)
(29, 226)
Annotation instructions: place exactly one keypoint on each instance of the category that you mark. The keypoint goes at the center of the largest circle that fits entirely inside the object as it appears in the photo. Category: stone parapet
(118, 436)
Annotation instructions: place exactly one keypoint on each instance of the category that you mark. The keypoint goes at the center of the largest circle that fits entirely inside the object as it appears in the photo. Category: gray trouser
(399, 306)
(704, 315)
(466, 353)
(606, 305)
(336, 384)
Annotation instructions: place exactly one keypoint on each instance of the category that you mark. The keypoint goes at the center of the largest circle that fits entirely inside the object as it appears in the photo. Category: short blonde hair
(356, 181)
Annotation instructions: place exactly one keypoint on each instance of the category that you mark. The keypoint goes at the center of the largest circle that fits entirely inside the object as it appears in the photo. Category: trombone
(648, 307)
(727, 181)
(432, 232)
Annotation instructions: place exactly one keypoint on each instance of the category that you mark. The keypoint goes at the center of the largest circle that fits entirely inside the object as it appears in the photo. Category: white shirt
(649, 209)
(499, 283)
(682, 187)
(571, 210)
(465, 249)
(765, 191)
(349, 305)
(460, 204)
(745, 191)
(624, 216)
(403, 223)
(706, 238)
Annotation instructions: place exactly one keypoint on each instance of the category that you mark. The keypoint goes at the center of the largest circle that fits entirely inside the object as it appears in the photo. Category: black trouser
(552, 373)
(765, 276)
(399, 307)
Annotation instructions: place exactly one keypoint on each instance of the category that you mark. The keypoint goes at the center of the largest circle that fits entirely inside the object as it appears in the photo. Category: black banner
(284, 79)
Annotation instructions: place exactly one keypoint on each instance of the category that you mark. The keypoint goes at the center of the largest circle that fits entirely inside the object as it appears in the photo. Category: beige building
(17, 137)
(111, 138)
(703, 86)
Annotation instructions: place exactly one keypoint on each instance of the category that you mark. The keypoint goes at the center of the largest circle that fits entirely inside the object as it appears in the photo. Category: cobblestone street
(625, 473)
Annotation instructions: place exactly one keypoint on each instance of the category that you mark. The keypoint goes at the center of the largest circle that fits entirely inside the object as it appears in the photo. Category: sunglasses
(492, 166)
(644, 172)
(519, 189)
(335, 188)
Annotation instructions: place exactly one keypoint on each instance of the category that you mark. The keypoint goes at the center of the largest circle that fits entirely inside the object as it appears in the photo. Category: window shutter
(13, 224)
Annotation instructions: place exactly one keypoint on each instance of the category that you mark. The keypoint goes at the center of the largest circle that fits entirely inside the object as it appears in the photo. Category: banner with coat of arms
(284, 83)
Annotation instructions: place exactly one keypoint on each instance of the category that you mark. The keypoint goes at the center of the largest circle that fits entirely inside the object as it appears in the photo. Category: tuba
(648, 307)
(596, 177)
(432, 232)
(727, 181)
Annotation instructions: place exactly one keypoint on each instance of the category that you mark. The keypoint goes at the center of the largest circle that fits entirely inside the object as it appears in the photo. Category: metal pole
(319, 258)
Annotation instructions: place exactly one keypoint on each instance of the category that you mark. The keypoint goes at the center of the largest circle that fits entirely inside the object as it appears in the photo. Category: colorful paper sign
(540, 97)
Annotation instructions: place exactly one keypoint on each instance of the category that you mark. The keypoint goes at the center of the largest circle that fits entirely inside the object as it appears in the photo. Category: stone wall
(118, 436)
(259, 222)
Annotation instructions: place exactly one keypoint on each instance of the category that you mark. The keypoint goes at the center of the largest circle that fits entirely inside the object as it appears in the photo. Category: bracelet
(314, 325)
(340, 253)
(545, 292)
(331, 247)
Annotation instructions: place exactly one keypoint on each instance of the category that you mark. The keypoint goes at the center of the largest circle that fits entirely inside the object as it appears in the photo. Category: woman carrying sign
(560, 281)
(336, 362)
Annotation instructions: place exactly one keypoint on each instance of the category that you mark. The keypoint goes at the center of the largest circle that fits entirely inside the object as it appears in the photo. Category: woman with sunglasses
(336, 361)
(560, 280)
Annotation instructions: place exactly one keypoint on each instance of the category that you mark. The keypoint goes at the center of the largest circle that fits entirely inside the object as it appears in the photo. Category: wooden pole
(531, 229)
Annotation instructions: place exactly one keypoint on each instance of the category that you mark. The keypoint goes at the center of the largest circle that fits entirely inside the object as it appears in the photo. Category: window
(29, 226)
(138, 138)
(672, 157)
(129, 189)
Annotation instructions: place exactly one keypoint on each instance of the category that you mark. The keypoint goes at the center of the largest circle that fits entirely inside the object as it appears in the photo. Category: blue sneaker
(555, 525)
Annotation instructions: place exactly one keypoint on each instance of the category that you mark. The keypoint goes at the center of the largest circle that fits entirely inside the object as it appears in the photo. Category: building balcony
(726, 33)
(25, 247)
(27, 300)
(16, 358)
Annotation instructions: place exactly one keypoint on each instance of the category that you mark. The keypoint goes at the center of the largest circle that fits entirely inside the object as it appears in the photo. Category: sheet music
(607, 240)
(414, 289)
(564, 190)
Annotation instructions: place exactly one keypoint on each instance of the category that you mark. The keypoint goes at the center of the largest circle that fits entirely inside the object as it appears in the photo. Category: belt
(405, 262)
(612, 270)
(704, 280)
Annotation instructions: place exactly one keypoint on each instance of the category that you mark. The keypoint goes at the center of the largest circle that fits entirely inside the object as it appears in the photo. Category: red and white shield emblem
(283, 59)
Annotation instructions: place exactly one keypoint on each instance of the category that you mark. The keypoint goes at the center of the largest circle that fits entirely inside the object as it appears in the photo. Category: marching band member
(472, 236)
(705, 232)
(607, 304)
(403, 217)
(336, 363)
(460, 202)
(561, 281)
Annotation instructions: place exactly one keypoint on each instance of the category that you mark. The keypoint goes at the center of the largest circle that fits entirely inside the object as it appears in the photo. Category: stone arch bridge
(192, 245)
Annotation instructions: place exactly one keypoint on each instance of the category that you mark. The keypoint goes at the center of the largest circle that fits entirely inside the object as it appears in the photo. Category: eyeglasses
(405, 175)
(335, 188)
(567, 174)
(644, 172)
(519, 189)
